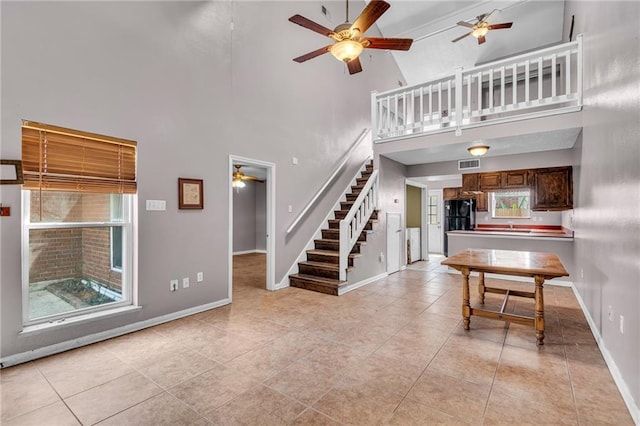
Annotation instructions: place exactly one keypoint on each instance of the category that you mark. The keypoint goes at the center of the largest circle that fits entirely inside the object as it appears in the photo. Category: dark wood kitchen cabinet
(470, 182)
(490, 181)
(482, 202)
(515, 179)
(450, 193)
(552, 188)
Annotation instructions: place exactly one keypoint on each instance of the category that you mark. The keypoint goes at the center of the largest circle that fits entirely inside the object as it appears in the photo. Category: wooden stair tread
(319, 280)
(331, 253)
(323, 265)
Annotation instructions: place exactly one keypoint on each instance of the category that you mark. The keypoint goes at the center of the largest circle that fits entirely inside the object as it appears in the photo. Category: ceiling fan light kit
(348, 44)
(480, 29)
(478, 150)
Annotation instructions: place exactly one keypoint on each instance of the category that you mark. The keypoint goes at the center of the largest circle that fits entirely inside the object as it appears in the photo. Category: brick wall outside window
(71, 253)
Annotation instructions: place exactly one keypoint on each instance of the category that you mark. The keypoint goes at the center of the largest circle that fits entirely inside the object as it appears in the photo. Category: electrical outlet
(621, 324)
(185, 282)
(581, 273)
(381, 257)
(290, 209)
(199, 277)
(610, 313)
(173, 285)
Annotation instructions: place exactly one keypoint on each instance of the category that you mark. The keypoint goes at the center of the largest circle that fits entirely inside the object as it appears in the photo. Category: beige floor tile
(357, 407)
(103, 401)
(504, 409)
(162, 409)
(169, 368)
(56, 414)
(410, 413)
(451, 395)
(310, 417)
(210, 390)
(304, 380)
(24, 389)
(88, 367)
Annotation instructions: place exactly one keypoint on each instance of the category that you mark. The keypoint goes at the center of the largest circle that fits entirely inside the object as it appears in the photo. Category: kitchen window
(78, 200)
(510, 204)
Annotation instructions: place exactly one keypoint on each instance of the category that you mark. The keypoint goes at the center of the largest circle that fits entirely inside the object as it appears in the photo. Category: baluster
(567, 90)
(553, 76)
(491, 89)
(480, 93)
(540, 78)
(469, 82)
(421, 121)
(440, 101)
(449, 109)
(526, 80)
(395, 127)
(502, 78)
(514, 84)
(430, 103)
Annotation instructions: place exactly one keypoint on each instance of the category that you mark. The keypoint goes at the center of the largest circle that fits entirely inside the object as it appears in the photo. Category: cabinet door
(489, 181)
(482, 202)
(450, 193)
(470, 182)
(514, 179)
(553, 188)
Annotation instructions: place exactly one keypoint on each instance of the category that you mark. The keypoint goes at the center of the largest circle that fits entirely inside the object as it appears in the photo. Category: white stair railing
(354, 222)
(543, 82)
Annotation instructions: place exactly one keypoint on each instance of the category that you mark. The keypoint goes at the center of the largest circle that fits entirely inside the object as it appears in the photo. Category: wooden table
(540, 266)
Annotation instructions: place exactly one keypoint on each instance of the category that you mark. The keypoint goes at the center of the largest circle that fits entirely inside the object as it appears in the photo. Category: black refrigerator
(458, 215)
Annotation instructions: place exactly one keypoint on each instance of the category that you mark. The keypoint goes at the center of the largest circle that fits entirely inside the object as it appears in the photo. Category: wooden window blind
(59, 159)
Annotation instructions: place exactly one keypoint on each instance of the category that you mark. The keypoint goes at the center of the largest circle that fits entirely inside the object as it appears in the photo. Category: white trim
(271, 219)
(634, 409)
(104, 335)
(249, 251)
(351, 287)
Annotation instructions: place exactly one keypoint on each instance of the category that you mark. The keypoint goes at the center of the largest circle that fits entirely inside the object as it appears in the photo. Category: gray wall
(261, 216)
(244, 218)
(175, 78)
(606, 219)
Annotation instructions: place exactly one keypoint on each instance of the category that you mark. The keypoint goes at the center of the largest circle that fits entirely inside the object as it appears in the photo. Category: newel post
(344, 250)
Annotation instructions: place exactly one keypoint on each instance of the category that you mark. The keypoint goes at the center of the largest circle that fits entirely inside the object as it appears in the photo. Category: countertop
(518, 231)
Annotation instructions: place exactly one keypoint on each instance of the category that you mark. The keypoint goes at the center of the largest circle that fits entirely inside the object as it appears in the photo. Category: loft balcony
(536, 84)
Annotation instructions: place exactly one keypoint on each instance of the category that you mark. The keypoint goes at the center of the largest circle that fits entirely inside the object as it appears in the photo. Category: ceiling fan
(348, 44)
(482, 27)
(239, 178)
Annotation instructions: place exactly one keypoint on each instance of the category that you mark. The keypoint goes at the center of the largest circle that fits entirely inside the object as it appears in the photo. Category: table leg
(539, 314)
(466, 306)
(481, 287)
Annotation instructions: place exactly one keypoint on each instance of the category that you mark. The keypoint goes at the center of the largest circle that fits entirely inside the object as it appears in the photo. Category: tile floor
(392, 352)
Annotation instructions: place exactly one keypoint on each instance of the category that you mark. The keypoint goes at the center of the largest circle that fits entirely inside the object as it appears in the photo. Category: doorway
(252, 213)
(434, 221)
(394, 242)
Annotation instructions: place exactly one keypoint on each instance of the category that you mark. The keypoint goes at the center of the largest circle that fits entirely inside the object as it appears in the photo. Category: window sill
(80, 319)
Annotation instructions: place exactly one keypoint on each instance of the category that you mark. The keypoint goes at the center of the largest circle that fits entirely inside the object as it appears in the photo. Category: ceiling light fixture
(480, 30)
(346, 50)
(238, 183)
(478, 150)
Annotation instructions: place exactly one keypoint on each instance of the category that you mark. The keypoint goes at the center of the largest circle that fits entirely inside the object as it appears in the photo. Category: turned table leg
(539, 314)
(466, 306)
(481, 287)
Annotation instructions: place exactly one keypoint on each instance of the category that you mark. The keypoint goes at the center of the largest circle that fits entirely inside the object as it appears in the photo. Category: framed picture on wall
(190, 195)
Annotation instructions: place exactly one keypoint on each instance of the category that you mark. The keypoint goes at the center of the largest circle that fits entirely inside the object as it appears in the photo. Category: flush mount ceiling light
(346, 50)
(478, 150)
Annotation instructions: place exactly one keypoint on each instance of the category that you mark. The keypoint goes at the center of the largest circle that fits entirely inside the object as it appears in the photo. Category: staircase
(321, 271)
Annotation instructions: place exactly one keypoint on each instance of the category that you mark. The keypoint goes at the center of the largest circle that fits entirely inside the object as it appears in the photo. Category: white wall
(606, 219)
(174, 77)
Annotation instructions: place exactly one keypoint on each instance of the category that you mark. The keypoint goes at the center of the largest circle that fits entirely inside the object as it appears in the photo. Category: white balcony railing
(539, 83)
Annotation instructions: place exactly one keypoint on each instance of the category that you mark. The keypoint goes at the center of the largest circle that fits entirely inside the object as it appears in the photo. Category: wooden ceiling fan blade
(370, 15)
(387, 43)
(354, 66)
(460, 38)
(311, 55)
(500, 26)
(310, 25)
(252, 178)
(481, 39)
(464, 24)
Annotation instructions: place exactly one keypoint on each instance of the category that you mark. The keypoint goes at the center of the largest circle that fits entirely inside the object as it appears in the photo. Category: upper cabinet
(552, 188)
(470, 182)
(490, 181)
(514, 179)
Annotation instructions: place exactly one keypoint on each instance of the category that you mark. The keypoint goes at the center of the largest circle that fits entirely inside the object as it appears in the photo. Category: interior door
(434, 221)
(394, 242)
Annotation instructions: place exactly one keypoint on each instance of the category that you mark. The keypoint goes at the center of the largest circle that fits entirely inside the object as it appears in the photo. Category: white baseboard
(359, 284)
(634, 409)
(104, 335)
(249, 251)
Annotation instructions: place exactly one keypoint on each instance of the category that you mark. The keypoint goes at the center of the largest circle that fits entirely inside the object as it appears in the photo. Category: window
(432, 210)
(77, 222)
(511, 204)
